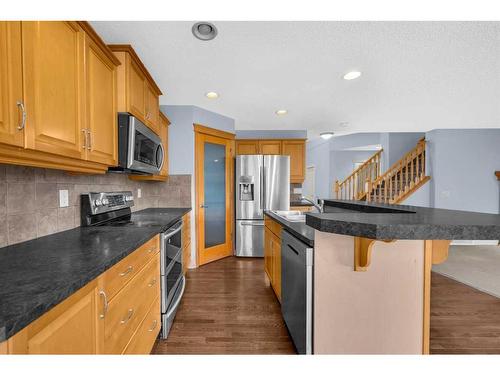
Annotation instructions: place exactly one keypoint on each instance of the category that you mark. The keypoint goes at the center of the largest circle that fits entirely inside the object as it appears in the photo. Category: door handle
(203, 206)
(21, 126)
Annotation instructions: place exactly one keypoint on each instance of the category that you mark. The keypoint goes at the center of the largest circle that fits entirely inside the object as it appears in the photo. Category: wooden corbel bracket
(363, 252)
(439, 250)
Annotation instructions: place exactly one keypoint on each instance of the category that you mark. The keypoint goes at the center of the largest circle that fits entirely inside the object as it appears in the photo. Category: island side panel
(377, 311)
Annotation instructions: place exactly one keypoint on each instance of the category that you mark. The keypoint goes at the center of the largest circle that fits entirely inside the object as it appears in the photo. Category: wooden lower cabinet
(186, 242)
(91, 322)
(272, 254)
(68, 328)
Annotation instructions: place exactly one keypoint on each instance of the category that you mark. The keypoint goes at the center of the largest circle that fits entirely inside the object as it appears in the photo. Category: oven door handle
(167, 235)
(176, 303)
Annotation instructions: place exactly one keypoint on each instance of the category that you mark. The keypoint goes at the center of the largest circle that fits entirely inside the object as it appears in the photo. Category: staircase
(395, 185)
(401, 179)
(356, 185)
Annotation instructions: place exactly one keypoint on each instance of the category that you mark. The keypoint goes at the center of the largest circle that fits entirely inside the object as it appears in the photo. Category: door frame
(201, 133)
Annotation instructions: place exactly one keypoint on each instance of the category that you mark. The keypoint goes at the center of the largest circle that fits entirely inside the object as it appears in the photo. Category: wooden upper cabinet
(270, 147)
(138, 93)
(11, 84)
(247, 147)
(164, 123)
(101, 112)
(53, 61)
(296, 149)
(152, 110)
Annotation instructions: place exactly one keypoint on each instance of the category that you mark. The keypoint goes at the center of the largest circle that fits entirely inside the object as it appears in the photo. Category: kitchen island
(372, 270)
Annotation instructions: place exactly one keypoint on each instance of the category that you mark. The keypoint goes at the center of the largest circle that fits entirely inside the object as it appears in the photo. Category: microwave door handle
(160, 147)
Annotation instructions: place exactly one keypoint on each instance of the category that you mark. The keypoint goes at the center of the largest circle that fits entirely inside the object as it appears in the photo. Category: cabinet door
(164, 140)
(68, 328)
(276, 245)
(247, 148)
(297, 152)
(270, 147)
(53, 62)
(152, 109)
(11, 84)
(101, 105)
(268, 254)
(136, 90)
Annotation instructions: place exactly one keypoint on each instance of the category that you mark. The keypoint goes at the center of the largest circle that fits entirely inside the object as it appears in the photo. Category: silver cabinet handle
(152, 282)
(84, 131)
(21, 126)
(155, 323)
(127, 318)
(127, 271)
(105, 308)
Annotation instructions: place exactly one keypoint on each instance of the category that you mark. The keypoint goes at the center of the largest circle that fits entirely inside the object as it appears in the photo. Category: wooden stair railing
(356, 185)
(401, 179)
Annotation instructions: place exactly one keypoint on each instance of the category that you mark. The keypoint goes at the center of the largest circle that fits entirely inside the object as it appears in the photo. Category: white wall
(181, 146)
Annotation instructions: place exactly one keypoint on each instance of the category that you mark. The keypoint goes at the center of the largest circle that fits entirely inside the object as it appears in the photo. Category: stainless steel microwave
(140, 150)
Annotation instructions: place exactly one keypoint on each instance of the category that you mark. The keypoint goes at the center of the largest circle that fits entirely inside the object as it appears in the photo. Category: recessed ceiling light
(204, 31)
(212, 95)
(281, 112)
(352, 75)
(326, 135)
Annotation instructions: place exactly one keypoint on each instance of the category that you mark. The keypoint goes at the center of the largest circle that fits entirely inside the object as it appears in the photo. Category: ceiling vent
(204, 30)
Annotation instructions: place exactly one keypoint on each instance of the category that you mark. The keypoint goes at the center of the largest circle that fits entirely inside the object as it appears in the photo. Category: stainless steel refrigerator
(262, 183)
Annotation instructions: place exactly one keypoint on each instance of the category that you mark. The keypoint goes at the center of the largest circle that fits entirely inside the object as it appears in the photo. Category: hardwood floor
(228, 308)
(464, 320)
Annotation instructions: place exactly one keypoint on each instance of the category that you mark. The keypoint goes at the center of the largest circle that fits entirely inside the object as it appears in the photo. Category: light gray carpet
(477, 266)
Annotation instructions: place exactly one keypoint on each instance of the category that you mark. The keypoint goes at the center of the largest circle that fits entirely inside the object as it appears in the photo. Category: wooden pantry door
(214, 193)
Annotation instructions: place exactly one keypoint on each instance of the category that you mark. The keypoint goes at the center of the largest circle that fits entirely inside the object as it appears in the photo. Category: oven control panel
(99, 203)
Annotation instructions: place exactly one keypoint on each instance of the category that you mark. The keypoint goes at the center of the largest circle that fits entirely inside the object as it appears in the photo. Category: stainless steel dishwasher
(297, 291)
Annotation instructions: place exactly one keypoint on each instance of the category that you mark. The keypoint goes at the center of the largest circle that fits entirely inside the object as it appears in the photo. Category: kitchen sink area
(292, 215)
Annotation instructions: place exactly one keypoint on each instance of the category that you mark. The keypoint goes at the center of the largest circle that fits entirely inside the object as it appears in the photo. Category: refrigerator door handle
(262, 187)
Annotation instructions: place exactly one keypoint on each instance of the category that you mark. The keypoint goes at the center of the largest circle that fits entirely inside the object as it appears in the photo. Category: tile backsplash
(294, 197)
(29, 198)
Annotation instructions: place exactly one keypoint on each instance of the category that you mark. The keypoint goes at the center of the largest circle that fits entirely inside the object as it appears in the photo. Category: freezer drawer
(250, 238)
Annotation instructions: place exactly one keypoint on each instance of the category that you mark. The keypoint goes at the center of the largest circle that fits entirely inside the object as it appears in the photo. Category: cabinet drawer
(273, 226)
(129, 307)
(144, 338)
(117, 276)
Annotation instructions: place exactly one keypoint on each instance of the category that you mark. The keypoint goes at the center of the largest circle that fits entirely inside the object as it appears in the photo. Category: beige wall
(29, 198)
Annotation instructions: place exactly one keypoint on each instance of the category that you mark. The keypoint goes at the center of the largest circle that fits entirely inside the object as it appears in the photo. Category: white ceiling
(416, 76)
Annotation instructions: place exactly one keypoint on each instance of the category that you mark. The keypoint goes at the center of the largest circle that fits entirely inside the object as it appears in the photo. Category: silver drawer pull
(153, 282)
(155, 323)
(105, 308)
(129, 315)
(151, 250)
(127, 271)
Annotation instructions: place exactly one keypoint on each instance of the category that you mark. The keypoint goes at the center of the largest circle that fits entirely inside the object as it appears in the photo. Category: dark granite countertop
(38, 274)
(386, 221)
(299, 230)
(300, 204)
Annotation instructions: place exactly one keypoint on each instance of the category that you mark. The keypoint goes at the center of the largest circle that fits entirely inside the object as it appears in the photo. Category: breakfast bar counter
(372, 271)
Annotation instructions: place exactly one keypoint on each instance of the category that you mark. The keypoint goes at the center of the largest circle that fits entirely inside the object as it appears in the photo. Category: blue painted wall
(461, 163)
(318, 155)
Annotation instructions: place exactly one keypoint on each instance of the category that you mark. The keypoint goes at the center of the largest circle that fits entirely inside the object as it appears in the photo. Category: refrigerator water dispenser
(246, 188)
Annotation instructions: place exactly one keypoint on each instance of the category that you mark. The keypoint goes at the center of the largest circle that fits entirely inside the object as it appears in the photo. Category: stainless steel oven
(172, 278)
(140, 150)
